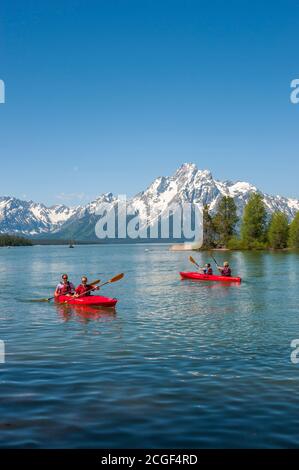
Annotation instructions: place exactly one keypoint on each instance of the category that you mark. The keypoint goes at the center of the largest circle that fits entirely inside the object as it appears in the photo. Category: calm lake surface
(180, 363)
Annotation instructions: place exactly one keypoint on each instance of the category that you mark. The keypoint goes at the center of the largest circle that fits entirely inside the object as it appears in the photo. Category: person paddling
(207, 269)
(225, 270)
(84, 288)
(65, 287)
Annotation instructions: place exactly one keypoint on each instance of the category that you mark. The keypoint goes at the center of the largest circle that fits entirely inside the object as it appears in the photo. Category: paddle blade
(116, 278)
(193, 261)
(93, 283)
(41, 300)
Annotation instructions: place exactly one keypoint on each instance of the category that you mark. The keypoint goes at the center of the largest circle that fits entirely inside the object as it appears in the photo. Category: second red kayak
(95, 300)
(208, 277)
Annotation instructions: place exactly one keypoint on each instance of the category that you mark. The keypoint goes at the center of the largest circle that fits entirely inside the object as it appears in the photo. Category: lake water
(180, 363)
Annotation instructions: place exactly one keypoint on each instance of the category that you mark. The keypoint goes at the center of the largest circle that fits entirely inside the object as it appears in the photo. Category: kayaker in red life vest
(225, 270)
(84, 289)
(207, 269)
(65, 287)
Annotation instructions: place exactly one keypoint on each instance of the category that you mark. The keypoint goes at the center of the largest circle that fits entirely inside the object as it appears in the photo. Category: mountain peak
(186, 172)
(188, 167)
(187, 185)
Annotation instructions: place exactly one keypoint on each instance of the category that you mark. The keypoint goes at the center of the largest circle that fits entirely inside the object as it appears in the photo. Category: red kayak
(209, 277)
(90, 300)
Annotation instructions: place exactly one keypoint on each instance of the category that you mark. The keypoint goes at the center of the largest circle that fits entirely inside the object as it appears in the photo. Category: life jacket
(64, 289)
(83, 290)
(226, 271)
(208, 271)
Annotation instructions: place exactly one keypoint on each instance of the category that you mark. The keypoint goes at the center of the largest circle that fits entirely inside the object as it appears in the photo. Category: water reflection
(85, 313)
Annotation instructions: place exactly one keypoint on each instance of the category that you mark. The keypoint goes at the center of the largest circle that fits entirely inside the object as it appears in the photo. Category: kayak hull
(88, 300)
(85, 311)
(208, 277)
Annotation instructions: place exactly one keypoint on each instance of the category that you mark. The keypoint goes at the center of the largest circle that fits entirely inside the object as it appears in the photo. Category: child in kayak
(65, 287)
(84, 289)
(207, 269)
(225, 270)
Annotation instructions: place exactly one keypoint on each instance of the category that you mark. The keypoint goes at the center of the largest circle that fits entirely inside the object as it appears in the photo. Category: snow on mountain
(188, 184)
(30, 218)
(191, 185)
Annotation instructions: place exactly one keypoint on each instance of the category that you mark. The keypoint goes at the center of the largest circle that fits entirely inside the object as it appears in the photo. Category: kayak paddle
(116, 278)
(194, 262)
(51, 298)
(218, 266)
(214, 259)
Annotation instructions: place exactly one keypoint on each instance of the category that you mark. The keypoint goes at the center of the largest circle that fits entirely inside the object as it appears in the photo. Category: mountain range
(188, 184)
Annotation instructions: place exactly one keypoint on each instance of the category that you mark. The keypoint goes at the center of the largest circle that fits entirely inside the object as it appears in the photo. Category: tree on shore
(225, 220)
(278, 231)
(254, 230)
(12, 240)
(208, 229)
(294, 233)
(256, 233)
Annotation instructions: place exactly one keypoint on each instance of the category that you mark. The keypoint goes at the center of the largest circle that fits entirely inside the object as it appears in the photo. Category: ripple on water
(180, 364)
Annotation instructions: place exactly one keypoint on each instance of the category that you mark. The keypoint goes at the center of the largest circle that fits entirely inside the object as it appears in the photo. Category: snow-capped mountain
(30, 218)
(188, 184)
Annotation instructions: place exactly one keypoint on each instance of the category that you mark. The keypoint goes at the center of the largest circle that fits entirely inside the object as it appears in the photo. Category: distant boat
(71, 244)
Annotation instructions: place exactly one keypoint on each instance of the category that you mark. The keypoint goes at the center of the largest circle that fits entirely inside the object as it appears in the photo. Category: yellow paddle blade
(93, 283)
(116, 278)
(192, 260)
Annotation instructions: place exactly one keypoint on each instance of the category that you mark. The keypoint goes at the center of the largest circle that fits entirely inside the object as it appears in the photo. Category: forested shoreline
(13, 240)
(256, 230)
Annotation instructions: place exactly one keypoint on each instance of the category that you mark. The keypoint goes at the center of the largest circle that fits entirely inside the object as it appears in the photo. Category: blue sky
(107, 95)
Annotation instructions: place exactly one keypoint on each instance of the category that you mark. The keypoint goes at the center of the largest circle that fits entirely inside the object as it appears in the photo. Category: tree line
(256, 230)
(13, 240)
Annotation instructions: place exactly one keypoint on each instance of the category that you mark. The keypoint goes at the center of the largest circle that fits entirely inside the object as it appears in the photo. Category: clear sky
(106, 95)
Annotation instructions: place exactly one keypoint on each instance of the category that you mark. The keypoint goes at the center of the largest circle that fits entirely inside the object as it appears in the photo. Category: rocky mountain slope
(188, 184)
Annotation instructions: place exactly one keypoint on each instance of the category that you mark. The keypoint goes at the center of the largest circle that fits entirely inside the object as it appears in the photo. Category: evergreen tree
(294, 233)
(253, 230)
(278, 231)
(208, 229)
(225, 220)
(12, 240)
